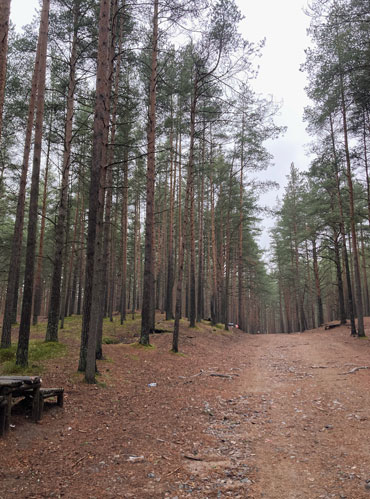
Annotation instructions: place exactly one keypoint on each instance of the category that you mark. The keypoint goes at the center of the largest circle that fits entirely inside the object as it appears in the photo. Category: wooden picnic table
(12, 387)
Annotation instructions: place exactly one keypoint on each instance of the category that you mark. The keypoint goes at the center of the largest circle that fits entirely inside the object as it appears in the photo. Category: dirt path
(273, 416)
(311, 439)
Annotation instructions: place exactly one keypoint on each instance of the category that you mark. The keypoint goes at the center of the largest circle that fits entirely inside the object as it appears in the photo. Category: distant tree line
(321, 238)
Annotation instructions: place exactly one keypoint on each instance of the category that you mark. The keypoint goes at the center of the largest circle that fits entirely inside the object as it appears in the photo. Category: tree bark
(147, 316)
(320, 311)
(359, 306)
(124, 225)
(200, 304)
(240, 242)
(24, 328)
(40, 257)
(55, 294)
(88, 334)
(4, 29)
(10, 308)
(343, 234)
(170, 264)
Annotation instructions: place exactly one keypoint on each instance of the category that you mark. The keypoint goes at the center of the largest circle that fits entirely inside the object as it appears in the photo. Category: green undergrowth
(219, 326)
(178, 354)
(109, 340)
(142, 347)
(39, 351)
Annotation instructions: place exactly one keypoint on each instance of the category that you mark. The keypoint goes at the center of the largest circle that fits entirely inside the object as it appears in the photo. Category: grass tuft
(108, 340)
(140, 346)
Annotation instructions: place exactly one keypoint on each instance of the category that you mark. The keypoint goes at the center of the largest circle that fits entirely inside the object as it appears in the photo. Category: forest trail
(235, 415)
(311, 435)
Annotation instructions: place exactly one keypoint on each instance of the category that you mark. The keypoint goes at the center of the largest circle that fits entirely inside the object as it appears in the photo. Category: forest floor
(233, 415)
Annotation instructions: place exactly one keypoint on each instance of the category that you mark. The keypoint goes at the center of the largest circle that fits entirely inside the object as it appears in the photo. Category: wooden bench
(28, 388)
(46, 393)
(12, 387)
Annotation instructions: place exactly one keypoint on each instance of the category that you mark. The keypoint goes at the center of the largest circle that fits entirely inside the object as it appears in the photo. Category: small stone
(135, 459)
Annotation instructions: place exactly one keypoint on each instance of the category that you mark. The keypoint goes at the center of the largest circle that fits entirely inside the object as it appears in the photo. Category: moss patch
(39, 351)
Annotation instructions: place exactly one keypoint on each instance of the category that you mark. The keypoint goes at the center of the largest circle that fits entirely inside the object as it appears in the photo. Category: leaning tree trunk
(24, 328)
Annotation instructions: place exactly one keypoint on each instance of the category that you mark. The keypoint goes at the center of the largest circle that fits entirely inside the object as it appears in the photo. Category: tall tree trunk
(38, 277)
(55, 293)
(342, 310)
(240, 242)
(359, 307)
(192, 290)
(364, 273)
(320, 311)
(227, 259)
(24, 328)
(88, 334)
(214, 300)
(135, 254)
(81, 262)
(343, 233)
(66, 252)
(188, 209)
(200, 305)
(124, 225)
(71, 274)
(180, 266)
(310, 302)
(106, 190)
(11, 301)
(170, 263)
(4, 29)
(147, 316)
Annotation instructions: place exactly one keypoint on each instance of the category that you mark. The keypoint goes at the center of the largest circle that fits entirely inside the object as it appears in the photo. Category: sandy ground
(235, 415)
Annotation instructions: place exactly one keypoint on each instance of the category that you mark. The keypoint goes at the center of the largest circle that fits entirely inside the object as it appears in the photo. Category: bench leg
(3, 412)
(41, 406)
(60, 399)
(8, 412)
(36, 404)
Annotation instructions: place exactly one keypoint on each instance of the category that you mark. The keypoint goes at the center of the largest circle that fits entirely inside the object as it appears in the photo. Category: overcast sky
(284, 25)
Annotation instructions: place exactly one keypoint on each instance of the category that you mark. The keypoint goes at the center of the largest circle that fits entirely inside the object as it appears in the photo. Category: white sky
(283, 24)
